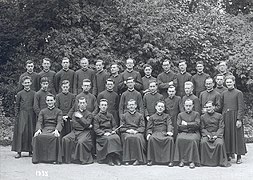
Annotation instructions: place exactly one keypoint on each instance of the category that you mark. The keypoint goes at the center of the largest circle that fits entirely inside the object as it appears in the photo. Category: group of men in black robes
(74, 116)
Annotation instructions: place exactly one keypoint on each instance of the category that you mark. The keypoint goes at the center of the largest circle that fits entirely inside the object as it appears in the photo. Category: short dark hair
(29, 62)
(199, 62)
(46, 59)
(50, 95)
(44, 79)
(65, 82)
(147, 65)
(25, 78)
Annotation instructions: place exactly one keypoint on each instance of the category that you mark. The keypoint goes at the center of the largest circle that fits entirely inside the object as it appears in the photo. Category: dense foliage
(113, 30)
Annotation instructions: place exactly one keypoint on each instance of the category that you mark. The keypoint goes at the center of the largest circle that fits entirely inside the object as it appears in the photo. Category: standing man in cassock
(173, 105)
(132, 135)
(131, 93)
(35, 86)
(232, 104)
(150, 99)
(40, 96)
(188, 87)
(182, 77)
(100, 78)
(112, 99)
(26, 119)
(65, 101)
(187, 142)
(147, 78)
(108, 142)
(199, 78)
(116, 77)
(84, 73)
(212, 147)
(209, 95)
(160, 147)
(47, 72)
(130, 72)
(47, 142)
(77, 145)
(223, 69)
(64, 74)
(220, 80)
(166, 79)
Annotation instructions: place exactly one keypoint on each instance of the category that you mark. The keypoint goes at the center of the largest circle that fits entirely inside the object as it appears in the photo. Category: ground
(12, 169)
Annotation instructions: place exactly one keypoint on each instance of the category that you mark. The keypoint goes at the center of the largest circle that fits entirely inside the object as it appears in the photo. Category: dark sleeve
(197, 106)
(220, 131)
(138, 83)
(98, 131)
(217, 102)
(121, 104)
(36, 101)
(57, 82)
(123, 123)
(240, 105)
(95, 86)
(169, 124)
(140, 104)
(59, 121)
(150, 125)
(17, 105)
(161, 84)
(204, 131)
(113, 122)
(20, 86)
(75, 84)
(195, 124)
(145, 106)
(141, 127)
(179, 125)
(40, 121)
(83, 121)
(95, 111)
(57, 102)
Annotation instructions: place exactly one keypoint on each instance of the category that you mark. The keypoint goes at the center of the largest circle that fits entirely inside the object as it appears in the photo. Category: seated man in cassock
(46, 141)
(132, 137)
(212, 147)
(159, 136)
(108, 142)
(187, 142)
(77, 145)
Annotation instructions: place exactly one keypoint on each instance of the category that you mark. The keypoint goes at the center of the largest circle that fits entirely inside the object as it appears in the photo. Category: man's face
(82, 104)
(148, 71)
(44, 85)
(86, 86)
(171, 92)
(182, 66)
(29, 67)
(46, 65)
(188, 89)
(222, 67)
(209, 107)
(65, 64)
(50, 101)
(27, 83)
(130, 84)
(130, 63)
(103, 106)
(188, 105)
(152, 87)
(220, 80)
(65, 88)
(200, 67)
(114, 69)
(166, 66)
(230, 83)
(109, 85)
(99, 66)
(84, 63)
(209, 84)
(131, 106)
(160, 107)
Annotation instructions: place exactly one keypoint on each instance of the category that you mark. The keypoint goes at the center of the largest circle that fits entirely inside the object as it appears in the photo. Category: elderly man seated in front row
(46, 142)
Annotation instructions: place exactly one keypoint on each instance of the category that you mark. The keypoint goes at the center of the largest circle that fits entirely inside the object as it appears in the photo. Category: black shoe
(171, 164)
(136, 163)
(30, 154)
(110, 163)
(126, 163)
(149, 163)
(117, 162)
(239, 161)
(181, 164)
(192, 165)
(18, 155)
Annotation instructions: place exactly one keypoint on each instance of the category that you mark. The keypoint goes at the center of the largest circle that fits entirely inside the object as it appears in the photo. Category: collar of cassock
(148, 76)
(132, 112)
(167, 72)
(86, 92)
(183, 72)
(46, 71)
(211, 113)
(100, 71)
(220, 87)
(131, 90)
(159, 113)
(65, 93)
(115, 75)
(84, 69)
(27, 89)
(129, 70)
(153, 93)
(109, 90)
(200, 73)
(230, 89)
(171, 97)
(29, 72)
(189, 94)
(209, 90)
(50, 108)
(65, 69)
(103, 112)
(188, 112)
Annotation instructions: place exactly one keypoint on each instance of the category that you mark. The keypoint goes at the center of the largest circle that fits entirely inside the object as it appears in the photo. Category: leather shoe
(126, 163)
(18, 155)
(110, 163)
(170, 164)
(136, 163)
(239, 161)
(117, 162)
(30, 154)
(149, 163)
(192, 165)
(181, 164)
